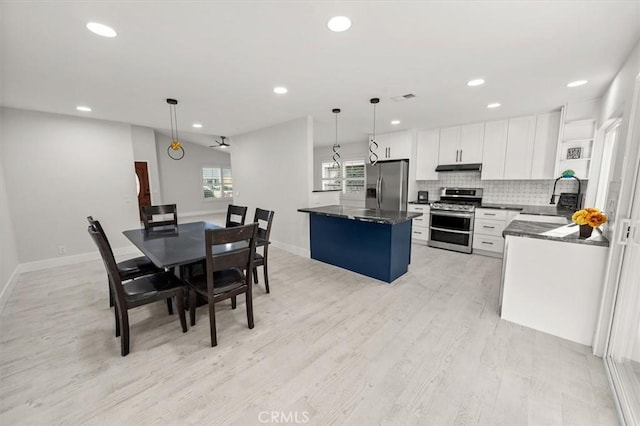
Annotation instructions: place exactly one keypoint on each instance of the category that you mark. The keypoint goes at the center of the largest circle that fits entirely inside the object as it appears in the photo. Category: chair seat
(136, 267)
(223, 281)
(258, 259)
(155, 286)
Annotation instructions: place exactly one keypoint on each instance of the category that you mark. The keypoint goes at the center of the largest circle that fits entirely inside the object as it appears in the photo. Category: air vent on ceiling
(403, 97)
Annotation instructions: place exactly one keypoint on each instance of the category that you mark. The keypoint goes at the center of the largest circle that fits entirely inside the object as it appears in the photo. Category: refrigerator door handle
(379, 190)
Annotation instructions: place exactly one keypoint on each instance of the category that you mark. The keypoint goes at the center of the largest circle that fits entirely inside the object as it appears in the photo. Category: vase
(585, 231)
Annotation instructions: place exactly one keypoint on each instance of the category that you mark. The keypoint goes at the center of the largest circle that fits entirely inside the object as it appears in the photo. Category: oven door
(454, 221)
(451, 230)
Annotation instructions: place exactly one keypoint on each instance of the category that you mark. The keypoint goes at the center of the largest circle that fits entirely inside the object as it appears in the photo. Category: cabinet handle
(457, 151)
(487, 242)
(460, 155)
(488, 227)
(488, 214)
(417, 232)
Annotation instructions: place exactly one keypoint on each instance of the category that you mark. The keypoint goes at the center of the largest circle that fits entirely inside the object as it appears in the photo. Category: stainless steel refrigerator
(387, 183)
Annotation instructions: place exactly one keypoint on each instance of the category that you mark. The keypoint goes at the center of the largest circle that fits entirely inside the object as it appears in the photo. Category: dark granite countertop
(326, 190)
(544, 210)
(523, 228)
(421, 204)
(367, 215)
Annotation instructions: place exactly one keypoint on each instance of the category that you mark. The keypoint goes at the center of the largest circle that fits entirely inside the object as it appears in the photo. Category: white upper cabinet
(521, 147)
(427, 154)
(394, 146)
(461, 144)
(520, 141)
(471, 143)
(449, 145)
(545, 146)
(495, 149)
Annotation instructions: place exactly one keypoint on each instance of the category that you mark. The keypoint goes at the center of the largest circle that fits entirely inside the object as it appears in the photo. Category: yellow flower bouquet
(589, 216)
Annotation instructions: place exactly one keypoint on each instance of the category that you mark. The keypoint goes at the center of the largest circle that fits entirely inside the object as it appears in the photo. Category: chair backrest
(99, 228)
(147, 213)
(264, 219)
(237, 258)
(108, 259)
(235, 215)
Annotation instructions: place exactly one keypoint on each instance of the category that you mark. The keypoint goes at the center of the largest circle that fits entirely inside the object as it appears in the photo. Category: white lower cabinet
(420, 226)
(487, 231)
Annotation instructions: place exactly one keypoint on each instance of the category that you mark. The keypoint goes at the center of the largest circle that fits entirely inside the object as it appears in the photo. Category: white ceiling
(221, 60)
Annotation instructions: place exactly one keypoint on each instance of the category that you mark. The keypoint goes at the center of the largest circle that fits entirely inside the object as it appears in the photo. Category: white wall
(181, 180)
(8, 247)
(60, 169)
(617, 102)
(144, 150)
(273, 170)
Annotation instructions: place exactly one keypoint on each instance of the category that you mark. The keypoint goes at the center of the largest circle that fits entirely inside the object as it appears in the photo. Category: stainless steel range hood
(474, 167)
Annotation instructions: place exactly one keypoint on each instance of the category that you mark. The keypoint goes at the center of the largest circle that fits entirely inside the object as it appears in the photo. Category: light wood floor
(328, 345)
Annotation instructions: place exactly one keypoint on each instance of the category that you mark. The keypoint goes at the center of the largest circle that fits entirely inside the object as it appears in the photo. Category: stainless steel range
(451, 218)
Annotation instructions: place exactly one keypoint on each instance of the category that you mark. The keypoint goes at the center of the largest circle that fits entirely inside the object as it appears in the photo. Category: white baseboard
(8, 288)
(91, 256)
(202, 213)
(72, 260)
(299, 251)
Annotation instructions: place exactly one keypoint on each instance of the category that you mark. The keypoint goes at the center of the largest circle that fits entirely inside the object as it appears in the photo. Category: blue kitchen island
(371, 242)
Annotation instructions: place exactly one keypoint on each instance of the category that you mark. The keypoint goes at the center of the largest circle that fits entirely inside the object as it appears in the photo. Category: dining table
(175, 246)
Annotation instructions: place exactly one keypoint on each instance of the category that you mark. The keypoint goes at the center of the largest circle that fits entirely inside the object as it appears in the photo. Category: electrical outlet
(62, 250)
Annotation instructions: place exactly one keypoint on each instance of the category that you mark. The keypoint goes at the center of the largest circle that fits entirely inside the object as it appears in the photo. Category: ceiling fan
(221, 144)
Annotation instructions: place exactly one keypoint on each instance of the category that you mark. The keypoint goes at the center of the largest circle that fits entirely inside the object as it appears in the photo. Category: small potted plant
(588, 219)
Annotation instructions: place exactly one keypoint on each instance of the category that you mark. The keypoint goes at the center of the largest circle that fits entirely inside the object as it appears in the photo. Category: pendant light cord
(373, 145)
(336, 146)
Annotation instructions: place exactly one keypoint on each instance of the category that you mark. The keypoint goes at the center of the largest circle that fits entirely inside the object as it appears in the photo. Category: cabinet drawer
(421, 221)
(420, 234)
(488, 243)
(489, 227)
(491, 214)
(420, 208)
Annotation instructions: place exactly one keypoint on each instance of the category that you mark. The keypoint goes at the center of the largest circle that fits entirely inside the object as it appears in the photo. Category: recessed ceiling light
(577, 83)
(83, 108)
(197, 125)
(339, 23)
(101, 30)
(494, 105)
(476, 82)
(280, 90)
(395, 122)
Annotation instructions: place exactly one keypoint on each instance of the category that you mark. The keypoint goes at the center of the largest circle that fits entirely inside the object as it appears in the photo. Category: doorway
(142, 183)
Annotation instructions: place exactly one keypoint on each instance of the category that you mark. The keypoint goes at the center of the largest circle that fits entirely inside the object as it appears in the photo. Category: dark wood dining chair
(128, 269)
(137, 292)
(264, 219)
(147, 213)
(227, 274)
(235, 215)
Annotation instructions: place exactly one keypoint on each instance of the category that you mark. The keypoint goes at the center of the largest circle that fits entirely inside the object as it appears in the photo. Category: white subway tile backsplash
(528, 192)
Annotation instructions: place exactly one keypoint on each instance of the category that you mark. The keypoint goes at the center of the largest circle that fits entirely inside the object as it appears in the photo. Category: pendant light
(175, 151)
(373, 145)
(336, 146)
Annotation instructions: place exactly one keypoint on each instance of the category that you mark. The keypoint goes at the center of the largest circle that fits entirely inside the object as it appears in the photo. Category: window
(350, 179)
(331, 176)
(353, 176)
(610, 137)
(216, 183)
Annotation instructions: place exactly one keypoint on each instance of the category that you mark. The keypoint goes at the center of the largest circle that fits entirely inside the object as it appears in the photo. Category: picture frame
(574, 153)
